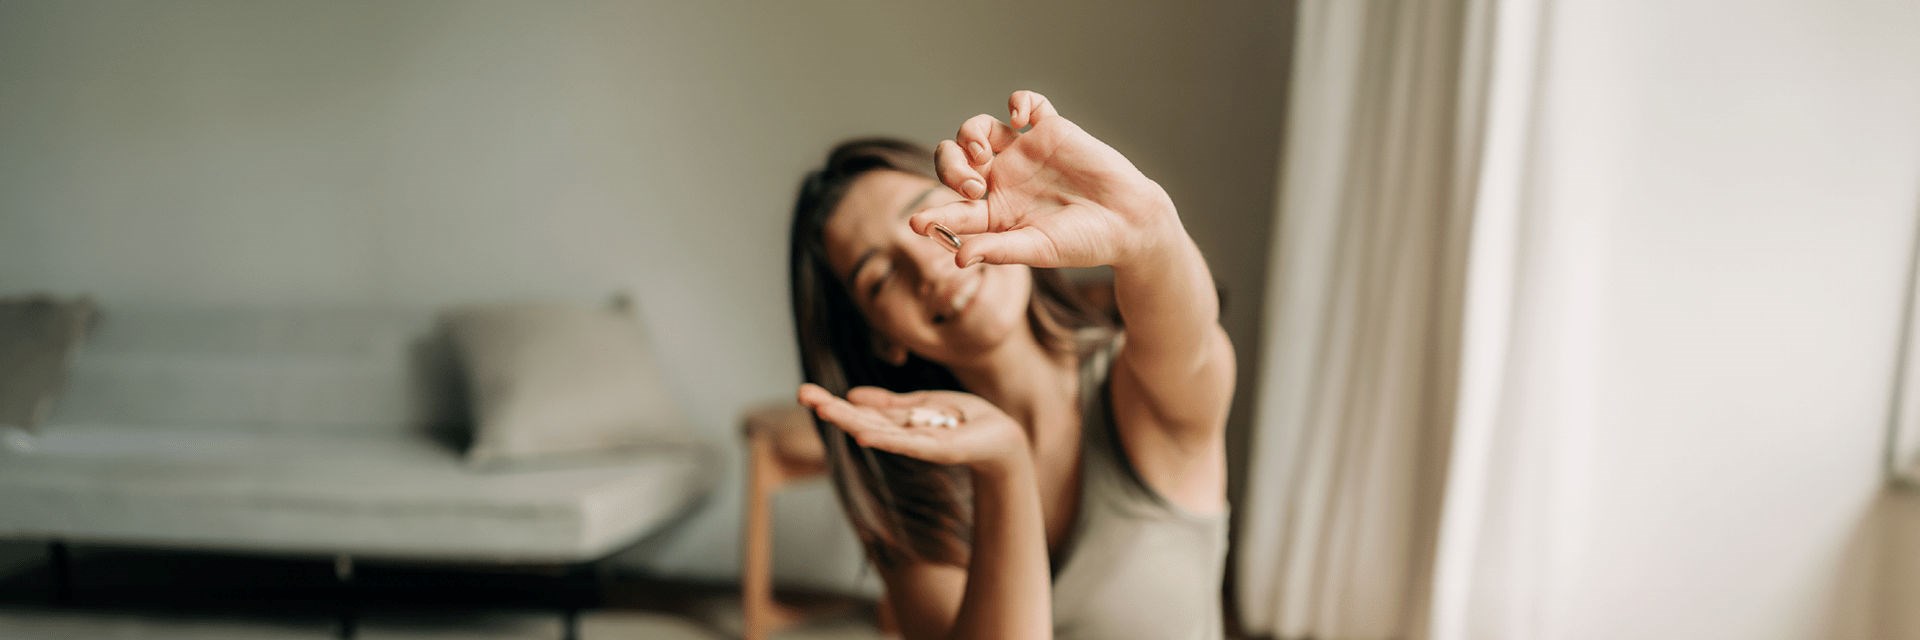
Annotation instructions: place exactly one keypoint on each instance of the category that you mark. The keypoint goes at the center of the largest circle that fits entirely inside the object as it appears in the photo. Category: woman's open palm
(880, 419)
(1053, 196)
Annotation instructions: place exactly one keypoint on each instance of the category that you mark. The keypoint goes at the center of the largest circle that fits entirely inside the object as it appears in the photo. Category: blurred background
(1554, 319)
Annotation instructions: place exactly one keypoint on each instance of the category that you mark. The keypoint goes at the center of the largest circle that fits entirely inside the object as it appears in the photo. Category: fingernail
(973, 189)
(979, 152)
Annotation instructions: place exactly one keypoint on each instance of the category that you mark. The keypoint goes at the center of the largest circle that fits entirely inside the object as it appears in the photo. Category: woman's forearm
(1009, 589)
(1165, 294)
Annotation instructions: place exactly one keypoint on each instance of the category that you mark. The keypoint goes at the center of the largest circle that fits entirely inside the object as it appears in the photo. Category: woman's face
(907, 284)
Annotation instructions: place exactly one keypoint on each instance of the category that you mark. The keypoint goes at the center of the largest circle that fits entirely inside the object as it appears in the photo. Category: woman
(1013, 470)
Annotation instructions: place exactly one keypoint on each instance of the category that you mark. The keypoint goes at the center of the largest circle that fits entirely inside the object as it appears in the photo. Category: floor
(127, 595)
(41, 624)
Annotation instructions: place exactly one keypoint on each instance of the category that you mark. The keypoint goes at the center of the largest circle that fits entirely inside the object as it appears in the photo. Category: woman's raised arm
(1055, 196)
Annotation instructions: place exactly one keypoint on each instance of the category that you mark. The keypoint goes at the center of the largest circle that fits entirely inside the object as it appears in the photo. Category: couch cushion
(37, 338)
(550, 380)
(367, 494)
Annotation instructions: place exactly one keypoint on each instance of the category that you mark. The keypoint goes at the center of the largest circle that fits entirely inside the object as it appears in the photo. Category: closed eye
(873, 290)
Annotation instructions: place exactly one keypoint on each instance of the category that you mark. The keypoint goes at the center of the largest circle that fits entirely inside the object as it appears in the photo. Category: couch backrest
(264, 370)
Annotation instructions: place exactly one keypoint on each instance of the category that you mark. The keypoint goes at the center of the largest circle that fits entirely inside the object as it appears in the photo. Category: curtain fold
(1389, 159)
(1503, 495)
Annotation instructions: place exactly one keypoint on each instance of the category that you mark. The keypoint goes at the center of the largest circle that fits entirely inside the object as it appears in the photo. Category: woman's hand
(1004, 591)
(985, 440)
(1053, 196)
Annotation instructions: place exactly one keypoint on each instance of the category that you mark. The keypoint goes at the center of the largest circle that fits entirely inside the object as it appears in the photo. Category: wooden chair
(782, 448)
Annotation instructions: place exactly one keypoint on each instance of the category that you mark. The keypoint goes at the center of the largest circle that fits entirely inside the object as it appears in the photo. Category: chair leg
(349, 596)
(756, 571)
(60, 572)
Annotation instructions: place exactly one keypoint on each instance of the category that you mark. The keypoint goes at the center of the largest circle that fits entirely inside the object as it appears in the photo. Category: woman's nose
(934, 262)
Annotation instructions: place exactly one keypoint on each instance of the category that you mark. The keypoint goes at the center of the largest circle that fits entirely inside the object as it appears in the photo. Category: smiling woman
(898, 504)
(1014, 466)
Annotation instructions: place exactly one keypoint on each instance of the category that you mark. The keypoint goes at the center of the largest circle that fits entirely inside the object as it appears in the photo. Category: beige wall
(372, 153)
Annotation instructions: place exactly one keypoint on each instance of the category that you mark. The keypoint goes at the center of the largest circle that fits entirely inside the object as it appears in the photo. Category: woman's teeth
(958, 301)
(966, 295)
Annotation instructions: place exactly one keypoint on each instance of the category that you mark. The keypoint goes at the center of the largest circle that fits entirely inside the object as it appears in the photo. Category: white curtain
(1380, 501)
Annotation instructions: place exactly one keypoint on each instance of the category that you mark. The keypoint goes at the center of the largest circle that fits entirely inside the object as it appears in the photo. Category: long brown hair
(902, 509)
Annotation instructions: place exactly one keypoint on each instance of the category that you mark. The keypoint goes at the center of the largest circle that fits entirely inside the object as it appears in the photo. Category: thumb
(1020, 246)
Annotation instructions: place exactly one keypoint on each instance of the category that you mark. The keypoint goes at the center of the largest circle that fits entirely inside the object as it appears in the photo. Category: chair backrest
(274, 369)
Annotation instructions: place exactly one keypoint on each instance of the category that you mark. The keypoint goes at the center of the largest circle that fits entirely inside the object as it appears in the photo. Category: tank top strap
(1110, 479)
(1136, 566)
(1097, 352)
(1110, 476)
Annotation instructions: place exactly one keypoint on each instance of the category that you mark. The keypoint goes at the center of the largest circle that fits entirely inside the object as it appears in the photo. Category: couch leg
(60, 572)
(343, 576)
(585, 588)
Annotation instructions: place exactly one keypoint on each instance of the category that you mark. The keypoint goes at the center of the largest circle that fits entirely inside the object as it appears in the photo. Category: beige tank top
(1134, 565)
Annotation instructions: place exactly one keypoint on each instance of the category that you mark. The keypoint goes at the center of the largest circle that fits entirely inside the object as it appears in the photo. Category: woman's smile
(957, 298)
(908, 285)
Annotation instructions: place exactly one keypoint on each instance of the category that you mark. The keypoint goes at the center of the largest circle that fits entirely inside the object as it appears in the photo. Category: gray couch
(304, 432)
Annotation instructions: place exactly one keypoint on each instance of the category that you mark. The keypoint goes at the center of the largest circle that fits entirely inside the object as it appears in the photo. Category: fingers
(950, 164)
(898, 408)
(863, 405)
(848, 417)
(982, 136)
(813, 395)
(962, 217)
(1018, 246)
(882, 398)
(1027, 108)
(959, 161)
(962, 163)
(876, 398)
(871, 427)
(835, 410)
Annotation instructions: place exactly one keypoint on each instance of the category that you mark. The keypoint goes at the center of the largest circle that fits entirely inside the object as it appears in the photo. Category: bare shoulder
(1172, 419)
